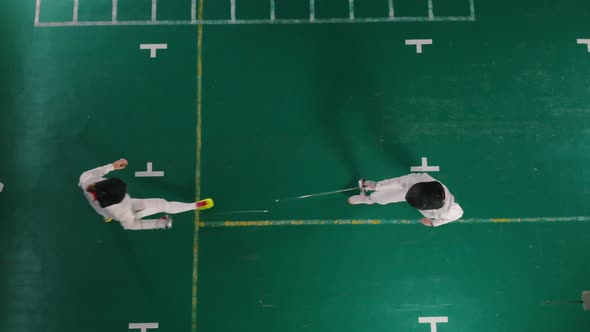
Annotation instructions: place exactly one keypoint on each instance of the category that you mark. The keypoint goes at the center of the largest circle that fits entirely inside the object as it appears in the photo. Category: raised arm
(89, 177)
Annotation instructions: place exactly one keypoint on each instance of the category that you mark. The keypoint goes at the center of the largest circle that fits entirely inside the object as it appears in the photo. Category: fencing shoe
(167, 219)
(205, 204)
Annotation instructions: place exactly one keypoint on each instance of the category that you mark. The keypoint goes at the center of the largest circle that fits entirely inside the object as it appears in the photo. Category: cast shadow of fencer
(162, 187)
(390, 138)
(353, 110)
(89, 146)
(335, 94)
(143, 279)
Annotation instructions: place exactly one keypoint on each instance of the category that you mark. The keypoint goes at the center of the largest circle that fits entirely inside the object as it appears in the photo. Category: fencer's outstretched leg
(164, 222)
(383, 197)
(150, 206)
(360, 199)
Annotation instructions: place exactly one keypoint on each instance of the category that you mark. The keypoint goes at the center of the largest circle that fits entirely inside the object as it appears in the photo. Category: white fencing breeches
(150, 206)
(147, 207)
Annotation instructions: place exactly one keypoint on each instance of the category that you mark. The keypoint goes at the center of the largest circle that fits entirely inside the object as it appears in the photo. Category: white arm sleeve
(403, 181)
(455, 212)
(90, 176)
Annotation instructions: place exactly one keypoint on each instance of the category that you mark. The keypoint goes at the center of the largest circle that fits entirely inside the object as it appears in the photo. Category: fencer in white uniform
(420, 190)
(109, 198)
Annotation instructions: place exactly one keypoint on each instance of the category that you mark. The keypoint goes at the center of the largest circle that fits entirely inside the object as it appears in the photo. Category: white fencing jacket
(450, 211)
(121, 211)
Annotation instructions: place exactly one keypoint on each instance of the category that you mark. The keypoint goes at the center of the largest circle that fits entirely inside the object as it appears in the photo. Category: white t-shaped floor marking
(433, 321)
(424, 167)
(418, 43)
(586, 300)
(149, 172)
(143, 326)
(153, 48)
(585, 41)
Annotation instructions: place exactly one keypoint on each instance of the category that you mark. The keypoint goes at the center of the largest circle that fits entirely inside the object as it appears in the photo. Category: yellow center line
(198, 168)
(308, 222)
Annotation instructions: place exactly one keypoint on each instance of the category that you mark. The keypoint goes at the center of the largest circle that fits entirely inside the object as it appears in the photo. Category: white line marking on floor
(143, 326)
(114, 11)
(418, 43)
(193, 10)
(391, 13)
(153, 48)
(154, 10)
(424, 167)
(37, 12)
(585, 41)
(149, 172)
(260, 21)
(433, 321)
(75, 15)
